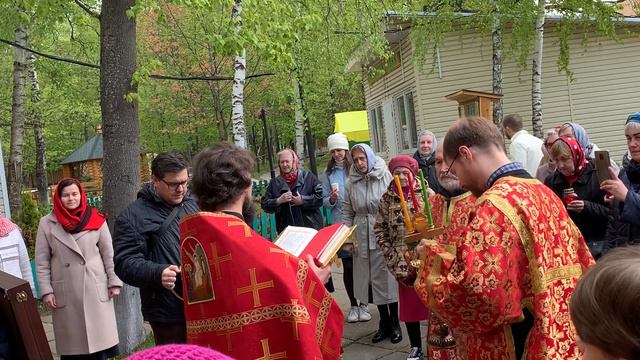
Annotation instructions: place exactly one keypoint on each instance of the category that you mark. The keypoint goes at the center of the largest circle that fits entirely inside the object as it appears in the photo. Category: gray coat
(360, 207)
(78, 270)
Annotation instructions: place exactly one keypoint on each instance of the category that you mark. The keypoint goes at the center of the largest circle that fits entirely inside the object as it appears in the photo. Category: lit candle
(405, 211)
(425, 197)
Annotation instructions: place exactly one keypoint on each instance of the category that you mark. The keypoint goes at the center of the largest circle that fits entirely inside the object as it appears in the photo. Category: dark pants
(169, 333)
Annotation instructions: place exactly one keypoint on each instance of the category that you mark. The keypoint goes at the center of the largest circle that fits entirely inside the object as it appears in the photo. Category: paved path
(357, 336)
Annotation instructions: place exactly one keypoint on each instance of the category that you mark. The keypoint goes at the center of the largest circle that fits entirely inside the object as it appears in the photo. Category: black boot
(396, 332)
(384, 331)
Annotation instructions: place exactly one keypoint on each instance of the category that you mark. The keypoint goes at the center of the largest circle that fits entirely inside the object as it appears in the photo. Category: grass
(146, 344)
(43, 309)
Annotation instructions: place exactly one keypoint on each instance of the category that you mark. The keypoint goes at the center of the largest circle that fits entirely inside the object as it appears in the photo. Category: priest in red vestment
(244, 296)
(504, 285)
(451, 208)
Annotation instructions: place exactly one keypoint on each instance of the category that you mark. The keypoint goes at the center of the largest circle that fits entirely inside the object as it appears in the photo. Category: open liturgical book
(321, 244)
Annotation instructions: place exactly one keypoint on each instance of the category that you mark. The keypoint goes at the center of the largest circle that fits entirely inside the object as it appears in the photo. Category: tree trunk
(42, 181)
(121, 148)
(299, 122)
(536, 73)
(237, 95)
(16, 152)
(496, 36)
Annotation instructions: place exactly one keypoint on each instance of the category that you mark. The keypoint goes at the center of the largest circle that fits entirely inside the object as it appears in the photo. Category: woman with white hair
(547, 166)
(426, 157)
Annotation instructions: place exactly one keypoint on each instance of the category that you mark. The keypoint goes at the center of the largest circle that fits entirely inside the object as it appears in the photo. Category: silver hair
(632, 125)
(549, 133)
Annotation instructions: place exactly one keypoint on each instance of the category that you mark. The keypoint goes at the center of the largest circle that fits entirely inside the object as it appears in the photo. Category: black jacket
(429, 170)
(140, 257)
(306, 215)
(621, 233)
(592, 220)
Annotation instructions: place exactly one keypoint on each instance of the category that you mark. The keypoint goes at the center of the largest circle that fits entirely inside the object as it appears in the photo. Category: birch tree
(536, 72)
(237, 96)
(16, 151)
(496, 38)
(42, 180)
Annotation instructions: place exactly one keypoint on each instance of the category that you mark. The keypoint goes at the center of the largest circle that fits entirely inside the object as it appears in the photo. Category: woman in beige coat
(74, 261)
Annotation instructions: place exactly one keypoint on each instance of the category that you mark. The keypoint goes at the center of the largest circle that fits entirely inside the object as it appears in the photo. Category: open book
(322, 244)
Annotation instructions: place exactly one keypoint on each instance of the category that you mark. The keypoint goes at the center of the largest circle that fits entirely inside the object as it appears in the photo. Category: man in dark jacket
(147, 249)
(295, 196)
(425, 155)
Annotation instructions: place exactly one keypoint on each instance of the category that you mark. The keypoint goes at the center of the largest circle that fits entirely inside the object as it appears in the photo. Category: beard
(450, 184)
(248, 210)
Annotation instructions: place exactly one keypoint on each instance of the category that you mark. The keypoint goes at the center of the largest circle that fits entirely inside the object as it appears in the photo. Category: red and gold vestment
(249, 299)
(519, 250)
(453, 215)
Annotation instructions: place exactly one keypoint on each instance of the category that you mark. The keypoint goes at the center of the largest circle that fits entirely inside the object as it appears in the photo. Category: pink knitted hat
(178, 352)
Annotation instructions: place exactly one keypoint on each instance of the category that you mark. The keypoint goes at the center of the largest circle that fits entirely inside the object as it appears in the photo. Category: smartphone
(602, 165)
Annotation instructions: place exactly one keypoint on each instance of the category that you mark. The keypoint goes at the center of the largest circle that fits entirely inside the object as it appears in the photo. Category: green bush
(28, 220)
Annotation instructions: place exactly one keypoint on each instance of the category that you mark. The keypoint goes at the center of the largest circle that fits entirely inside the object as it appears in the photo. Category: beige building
(408, 98)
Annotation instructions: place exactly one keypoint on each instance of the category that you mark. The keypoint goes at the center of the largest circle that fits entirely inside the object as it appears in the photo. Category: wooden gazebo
(475, 103)
(85, 164)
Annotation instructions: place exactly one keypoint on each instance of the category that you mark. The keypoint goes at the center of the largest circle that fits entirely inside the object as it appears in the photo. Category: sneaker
(415, 354)
(364, 314)
(353, 315)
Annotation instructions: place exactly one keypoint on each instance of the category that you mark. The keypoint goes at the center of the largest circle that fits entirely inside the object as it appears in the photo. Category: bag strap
(167, 222)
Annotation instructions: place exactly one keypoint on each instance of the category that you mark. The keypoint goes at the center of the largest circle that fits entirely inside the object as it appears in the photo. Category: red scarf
(82, 218)
(6, 226)
(292, 176)
(579, 159)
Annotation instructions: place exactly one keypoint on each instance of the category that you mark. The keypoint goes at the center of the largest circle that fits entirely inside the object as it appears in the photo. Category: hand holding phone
(602, 165)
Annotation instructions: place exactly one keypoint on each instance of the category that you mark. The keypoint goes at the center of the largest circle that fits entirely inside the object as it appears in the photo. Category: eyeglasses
(453, 162)
(174, 186)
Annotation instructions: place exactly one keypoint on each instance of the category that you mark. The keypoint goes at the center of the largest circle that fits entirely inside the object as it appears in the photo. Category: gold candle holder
(422, 230)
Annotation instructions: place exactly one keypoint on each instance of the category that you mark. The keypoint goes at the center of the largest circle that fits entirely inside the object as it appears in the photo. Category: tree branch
(87, 9)
(153, 76)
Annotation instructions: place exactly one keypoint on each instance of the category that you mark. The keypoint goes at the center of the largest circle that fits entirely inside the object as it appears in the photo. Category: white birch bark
(16, 151)
(299, 122)
(496, 37)
(42, 181)
(237, 95)
(536, 73)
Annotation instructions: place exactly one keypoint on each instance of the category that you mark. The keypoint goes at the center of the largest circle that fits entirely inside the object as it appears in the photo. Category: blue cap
(635, 117)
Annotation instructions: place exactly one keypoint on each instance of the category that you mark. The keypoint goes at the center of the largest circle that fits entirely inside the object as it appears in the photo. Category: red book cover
(321, 244)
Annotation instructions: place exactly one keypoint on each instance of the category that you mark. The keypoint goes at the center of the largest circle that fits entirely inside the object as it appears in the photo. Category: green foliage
(28, 220)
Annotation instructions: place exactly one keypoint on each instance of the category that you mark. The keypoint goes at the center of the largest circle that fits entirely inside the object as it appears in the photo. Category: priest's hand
(169, 276)
(114, 291)
(323, 273)
(50, 300)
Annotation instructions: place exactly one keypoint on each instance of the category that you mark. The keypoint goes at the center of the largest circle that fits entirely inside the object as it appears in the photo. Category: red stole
(249, 299)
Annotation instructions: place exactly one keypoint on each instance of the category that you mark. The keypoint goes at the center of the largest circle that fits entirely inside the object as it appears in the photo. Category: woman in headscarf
(624, 191)
(425, 155)
(586, 208)
(576, 131)
(333, 181)
(390, 232)
(368, 180)
(547, 166)
(74, 261)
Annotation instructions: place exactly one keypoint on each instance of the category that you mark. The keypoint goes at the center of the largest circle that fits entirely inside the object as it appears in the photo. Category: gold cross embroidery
(326, 347)
(247, 230)
(286, 254)
(255, 287)
(216, 260)
(294, 320)
(227, 334)
(308, 297)
(267, 352)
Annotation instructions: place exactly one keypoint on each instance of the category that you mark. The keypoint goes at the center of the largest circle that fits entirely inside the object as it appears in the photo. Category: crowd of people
(510, 276)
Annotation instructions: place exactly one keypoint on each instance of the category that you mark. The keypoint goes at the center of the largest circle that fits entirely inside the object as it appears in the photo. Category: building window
(406, 121)
(377, 130)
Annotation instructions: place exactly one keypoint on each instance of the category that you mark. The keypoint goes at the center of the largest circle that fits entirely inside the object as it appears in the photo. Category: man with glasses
(147, 248)
(516, 262)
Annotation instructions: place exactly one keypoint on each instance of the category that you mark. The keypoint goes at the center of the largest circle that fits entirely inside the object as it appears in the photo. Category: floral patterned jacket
(390, 231)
